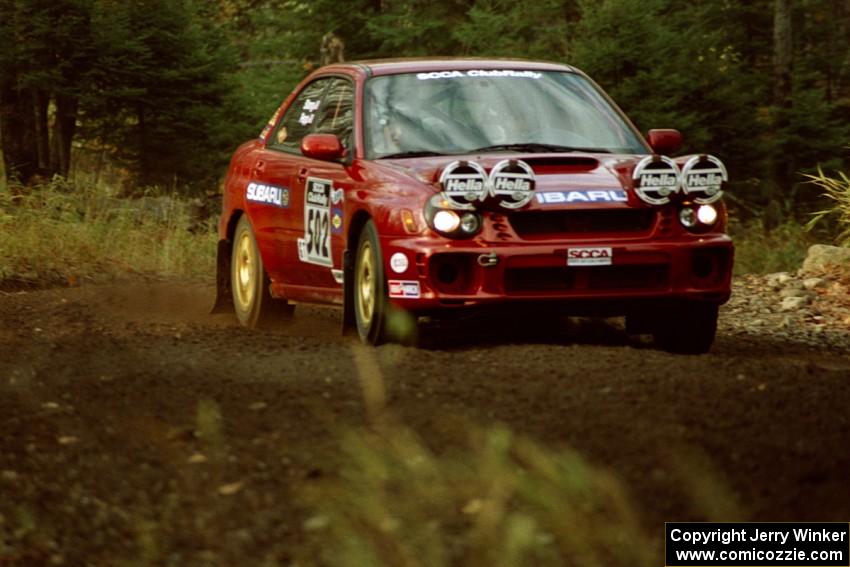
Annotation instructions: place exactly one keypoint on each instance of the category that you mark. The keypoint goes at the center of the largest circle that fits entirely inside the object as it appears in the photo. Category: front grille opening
(539, 279)
(704, 265)
(452, 273)
(538, 224)
(448, 273)
(602, 278)
(650, 277)
(709, 266)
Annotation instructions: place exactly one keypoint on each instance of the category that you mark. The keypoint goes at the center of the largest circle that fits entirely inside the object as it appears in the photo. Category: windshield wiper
(537, 148)
(413, 153)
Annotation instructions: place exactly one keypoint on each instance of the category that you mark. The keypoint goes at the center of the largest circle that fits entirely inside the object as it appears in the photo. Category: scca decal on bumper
(404, 289)
(589, 256)
(582, 196)
(268, 194)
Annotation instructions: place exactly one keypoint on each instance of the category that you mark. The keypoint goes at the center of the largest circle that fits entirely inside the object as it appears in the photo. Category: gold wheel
(368, 294)
(245, 272)
(365, 284)
(249, 283)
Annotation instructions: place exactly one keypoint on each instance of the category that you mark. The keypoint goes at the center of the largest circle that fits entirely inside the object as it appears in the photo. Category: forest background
(136, 94)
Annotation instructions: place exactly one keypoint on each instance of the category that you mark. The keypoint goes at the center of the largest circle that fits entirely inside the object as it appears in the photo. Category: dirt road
(134, 423)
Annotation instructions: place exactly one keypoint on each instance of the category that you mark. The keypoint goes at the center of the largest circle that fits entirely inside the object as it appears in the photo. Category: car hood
(554, 173)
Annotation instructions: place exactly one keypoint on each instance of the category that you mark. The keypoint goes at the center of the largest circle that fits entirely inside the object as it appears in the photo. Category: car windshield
(456, 112)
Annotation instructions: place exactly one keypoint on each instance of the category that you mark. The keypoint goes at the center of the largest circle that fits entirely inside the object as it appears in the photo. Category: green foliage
(837, 190)
(272, 64)
(417, 27)
(814, 132)
(144, 78)
(670, 64)
(536, 30)
(166, 83)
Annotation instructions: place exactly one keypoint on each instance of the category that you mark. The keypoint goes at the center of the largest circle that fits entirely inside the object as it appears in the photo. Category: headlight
(698, 217)
(707, 215)
(446, 220)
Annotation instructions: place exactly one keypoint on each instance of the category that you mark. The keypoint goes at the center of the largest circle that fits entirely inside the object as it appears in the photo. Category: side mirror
(325, 147)
(665, 141)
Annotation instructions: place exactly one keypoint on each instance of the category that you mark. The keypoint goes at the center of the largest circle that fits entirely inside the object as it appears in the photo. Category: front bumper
(451, 274)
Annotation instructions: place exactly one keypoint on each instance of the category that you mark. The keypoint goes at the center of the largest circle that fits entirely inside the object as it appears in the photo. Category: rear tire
(687, 328)
(370, 293)
(249, 283)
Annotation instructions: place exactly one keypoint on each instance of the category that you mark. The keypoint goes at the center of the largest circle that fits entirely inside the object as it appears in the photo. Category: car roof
(421, 65)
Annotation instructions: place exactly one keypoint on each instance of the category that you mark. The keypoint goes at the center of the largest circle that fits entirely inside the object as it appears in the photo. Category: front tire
(370, 294)
(687, 328)
(249, 283)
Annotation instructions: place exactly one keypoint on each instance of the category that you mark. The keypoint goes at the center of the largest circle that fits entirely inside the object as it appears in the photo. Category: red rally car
(436, 187)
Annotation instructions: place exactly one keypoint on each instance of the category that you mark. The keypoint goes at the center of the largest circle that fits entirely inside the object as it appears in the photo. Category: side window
(336, 115)
(300, 117)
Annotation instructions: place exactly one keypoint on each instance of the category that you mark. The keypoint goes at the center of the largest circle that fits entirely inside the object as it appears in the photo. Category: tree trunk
(64, 127)
(17, 127)
(40, 103)
(783, 163)
(782, 53)
(843, 64)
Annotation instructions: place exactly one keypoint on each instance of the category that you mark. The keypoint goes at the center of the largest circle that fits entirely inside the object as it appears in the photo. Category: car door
(274, 208)
(323, 185)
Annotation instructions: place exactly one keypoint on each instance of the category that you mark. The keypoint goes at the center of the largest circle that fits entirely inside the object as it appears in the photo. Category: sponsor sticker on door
(267, 194)
(315, 247)
(590, 256)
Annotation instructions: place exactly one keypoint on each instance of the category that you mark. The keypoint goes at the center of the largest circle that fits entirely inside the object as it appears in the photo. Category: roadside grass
(59, 234)
(837, 191)
(762, 250)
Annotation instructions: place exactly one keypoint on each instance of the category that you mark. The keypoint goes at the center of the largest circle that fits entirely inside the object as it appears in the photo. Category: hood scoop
(553, 165)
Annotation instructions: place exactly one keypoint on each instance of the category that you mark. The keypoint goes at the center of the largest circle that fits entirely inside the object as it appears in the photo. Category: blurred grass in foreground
(58, 234)
(503, 500)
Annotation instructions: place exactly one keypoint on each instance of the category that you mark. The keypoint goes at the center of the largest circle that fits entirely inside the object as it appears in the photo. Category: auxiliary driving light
(688, 217)
(446, 221)
(470, 223)
(707, 215)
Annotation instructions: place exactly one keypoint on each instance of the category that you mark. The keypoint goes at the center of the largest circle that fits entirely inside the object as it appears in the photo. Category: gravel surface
(136, 427)
(805, 308)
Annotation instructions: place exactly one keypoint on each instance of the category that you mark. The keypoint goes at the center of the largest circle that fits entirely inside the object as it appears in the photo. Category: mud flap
(349, 325)
(223, 294)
